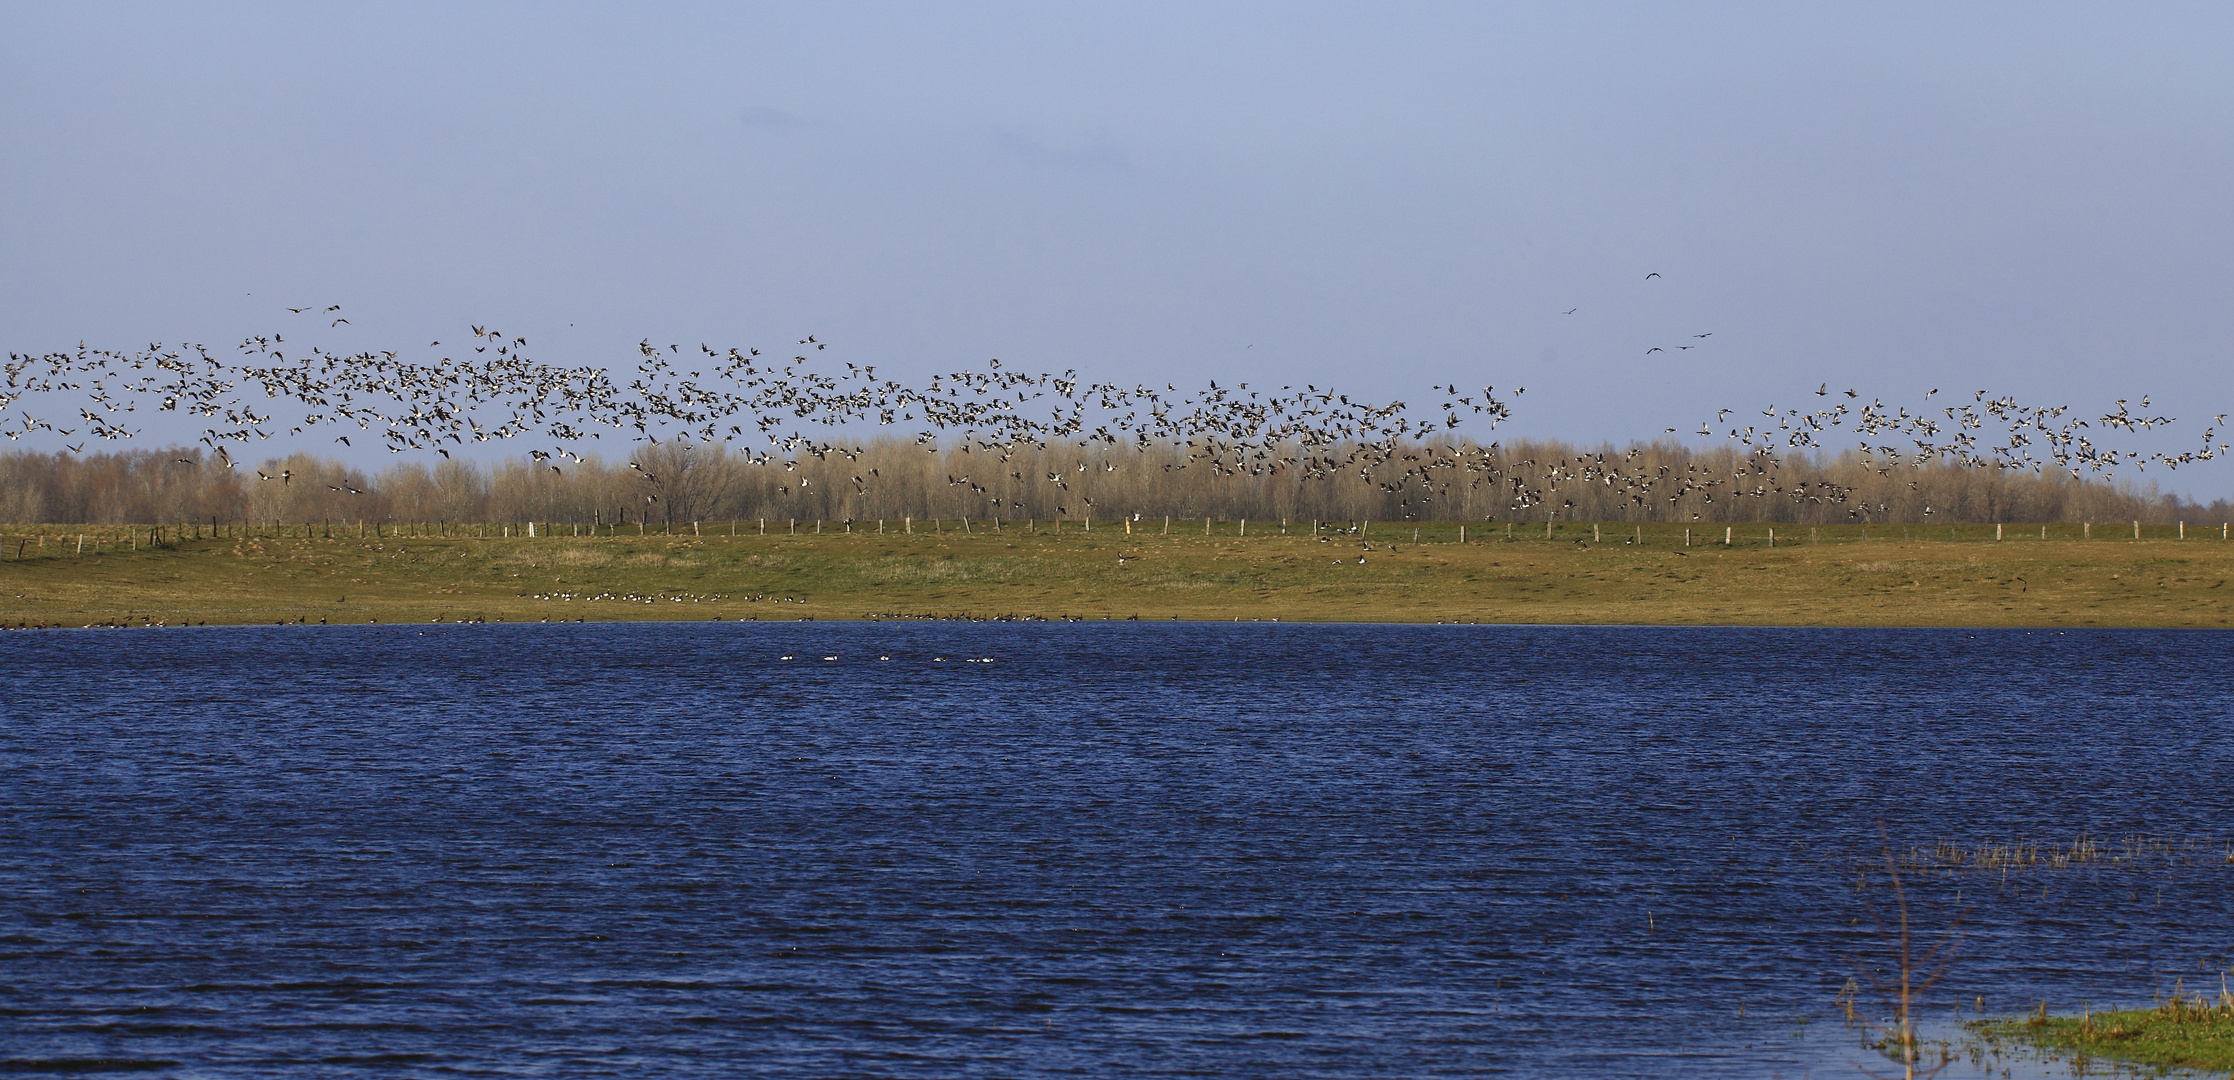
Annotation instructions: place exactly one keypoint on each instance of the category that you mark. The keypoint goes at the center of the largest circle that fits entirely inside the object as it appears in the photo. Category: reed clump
(2025, 856)
(2013, 856)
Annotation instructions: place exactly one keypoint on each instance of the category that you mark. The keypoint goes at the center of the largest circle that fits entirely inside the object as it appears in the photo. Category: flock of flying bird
(497, 392)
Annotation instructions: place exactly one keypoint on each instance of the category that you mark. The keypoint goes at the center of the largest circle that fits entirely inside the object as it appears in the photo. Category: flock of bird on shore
(498, 392)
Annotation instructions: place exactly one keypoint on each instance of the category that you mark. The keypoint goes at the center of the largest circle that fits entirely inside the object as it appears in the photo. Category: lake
(933, 849)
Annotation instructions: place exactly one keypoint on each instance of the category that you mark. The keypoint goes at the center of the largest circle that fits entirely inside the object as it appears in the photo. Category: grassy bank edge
(1108, 575)
(2193, 1035)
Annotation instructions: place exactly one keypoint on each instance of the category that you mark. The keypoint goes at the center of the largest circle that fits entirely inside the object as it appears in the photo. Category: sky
(2026, 198)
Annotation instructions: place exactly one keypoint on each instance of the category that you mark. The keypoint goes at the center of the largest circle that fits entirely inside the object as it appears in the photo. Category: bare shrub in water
(1902, 974)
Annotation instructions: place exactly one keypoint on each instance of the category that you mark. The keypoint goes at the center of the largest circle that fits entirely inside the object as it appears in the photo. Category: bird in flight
(1654, 349)
(1649, 277)
(1570, 311)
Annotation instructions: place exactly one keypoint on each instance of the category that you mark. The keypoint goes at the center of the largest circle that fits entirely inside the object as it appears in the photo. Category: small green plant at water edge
(2179, 1033)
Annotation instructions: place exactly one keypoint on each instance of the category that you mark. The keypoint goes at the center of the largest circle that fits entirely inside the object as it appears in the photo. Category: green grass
(1819, 577)
(2176, 1035)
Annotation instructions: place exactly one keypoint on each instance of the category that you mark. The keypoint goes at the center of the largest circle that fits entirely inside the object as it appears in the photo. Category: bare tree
(689, 479)
(1905, 974)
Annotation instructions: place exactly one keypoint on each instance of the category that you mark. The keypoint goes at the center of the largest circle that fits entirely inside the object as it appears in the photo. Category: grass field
(1578, 573)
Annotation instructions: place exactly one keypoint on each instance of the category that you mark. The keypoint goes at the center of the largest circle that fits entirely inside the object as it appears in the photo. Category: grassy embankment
(1893, 576)
(2193, 1034)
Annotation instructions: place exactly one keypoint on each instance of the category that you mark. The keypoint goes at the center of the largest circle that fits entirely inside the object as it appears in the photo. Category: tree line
(679, 481)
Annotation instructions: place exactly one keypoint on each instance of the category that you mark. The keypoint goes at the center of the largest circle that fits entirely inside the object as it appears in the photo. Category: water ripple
(1116, 849)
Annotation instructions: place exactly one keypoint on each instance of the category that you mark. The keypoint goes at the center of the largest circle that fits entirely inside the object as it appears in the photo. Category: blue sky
(2025, 198)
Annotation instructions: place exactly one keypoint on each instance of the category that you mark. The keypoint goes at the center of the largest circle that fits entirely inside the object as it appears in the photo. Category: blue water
(1114, 849)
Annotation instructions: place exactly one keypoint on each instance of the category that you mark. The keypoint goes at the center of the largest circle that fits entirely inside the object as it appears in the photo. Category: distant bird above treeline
(806, 409)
